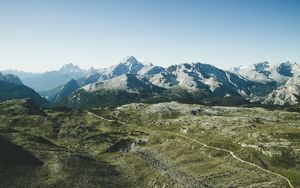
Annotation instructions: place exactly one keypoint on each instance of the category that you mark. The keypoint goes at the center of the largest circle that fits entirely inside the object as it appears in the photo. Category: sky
(40, 35)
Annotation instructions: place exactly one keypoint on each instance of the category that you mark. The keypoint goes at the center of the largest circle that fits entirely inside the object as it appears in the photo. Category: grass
(78, 149)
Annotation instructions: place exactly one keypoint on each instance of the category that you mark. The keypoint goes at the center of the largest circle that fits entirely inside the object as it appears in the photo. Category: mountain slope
(191, 81)
(265, 72)
(10, 78)
(129, 65)
(14, 91)
(90, 78)
(30, 156)
(130, 88)
(287, 94)
(195, 76)
(149, 70)
(21, 74)
(59, 93)
(119, 90)
(245, 83)
(129, 82)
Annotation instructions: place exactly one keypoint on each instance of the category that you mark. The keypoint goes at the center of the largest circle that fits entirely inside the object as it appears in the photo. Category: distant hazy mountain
(21, 74)
(10, 78)
(70, 69)
(53, 79)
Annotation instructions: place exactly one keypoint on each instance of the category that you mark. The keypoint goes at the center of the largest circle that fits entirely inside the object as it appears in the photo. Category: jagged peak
(128, 65)
(264, 63)
(262, 66)
(70, 68)
(130, 60)
(192, 65)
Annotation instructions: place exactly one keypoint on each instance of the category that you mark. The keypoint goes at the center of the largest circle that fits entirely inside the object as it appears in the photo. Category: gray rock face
(282, 81)
(151, 70)
(129, 82)
(194, 76)
(287, 94)
(265, 72)
(129, 65)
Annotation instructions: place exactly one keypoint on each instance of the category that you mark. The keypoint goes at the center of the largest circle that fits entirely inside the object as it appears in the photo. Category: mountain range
(50, 79)
(135, 81)
(281, 81)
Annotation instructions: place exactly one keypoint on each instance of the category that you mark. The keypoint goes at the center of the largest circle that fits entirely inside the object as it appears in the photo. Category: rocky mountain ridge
(262, 82)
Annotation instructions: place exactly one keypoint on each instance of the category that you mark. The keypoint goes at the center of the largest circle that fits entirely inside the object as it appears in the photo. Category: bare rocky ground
(148, 145)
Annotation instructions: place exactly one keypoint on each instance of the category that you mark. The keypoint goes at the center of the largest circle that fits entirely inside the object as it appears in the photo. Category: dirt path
(236, 157)
(212, 147)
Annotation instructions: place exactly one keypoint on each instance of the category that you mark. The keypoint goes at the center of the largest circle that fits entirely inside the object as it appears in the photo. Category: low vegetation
(139, 145)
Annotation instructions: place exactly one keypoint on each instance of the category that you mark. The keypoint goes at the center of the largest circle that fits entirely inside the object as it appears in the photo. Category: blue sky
(38, 35)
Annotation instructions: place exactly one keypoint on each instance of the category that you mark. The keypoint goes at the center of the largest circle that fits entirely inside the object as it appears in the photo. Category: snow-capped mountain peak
(129, 60)
(129, 65)
(260, 67)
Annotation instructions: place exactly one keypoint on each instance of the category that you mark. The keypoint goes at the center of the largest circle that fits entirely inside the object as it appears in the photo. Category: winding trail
(236, 157)
(99, 117)
(211, 147)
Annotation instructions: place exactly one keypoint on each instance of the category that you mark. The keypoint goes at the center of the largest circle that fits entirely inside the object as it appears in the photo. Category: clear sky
(39, 35)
